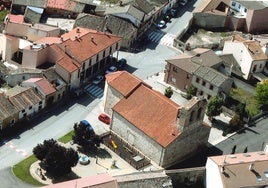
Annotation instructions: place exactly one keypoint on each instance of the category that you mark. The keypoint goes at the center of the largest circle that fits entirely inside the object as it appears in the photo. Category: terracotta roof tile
(123, 82)
(255, 50)
(88, 42)
(16, 18)
(45, 86)
(152, 113)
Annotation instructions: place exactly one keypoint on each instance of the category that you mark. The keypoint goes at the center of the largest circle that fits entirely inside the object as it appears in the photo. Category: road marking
(14, 148)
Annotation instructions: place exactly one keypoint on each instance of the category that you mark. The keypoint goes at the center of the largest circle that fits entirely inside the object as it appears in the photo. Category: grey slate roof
(228, 61)
(211, 75)
(184, 64)
(252, 5)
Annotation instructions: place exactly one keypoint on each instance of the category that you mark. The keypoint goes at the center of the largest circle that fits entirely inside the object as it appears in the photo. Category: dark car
(122, 63)
(172, 13)
(104, 118)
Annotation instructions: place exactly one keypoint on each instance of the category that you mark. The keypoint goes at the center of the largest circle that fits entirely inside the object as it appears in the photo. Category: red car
(104, 118)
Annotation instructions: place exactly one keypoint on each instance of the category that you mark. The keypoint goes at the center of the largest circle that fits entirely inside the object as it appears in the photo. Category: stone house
(199, 68)
(249, 55)
(78, 55)
(237, 170)
(162, 130)
(9, 114)
(232, 14)
(26, 100)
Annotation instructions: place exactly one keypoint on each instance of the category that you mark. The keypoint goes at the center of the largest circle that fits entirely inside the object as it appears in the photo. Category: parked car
(111, 69)
(171, 13)
(98, 79)
(104, 118)
(161, 24)
(122, 62)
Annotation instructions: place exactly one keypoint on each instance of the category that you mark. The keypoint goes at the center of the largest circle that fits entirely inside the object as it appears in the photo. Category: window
(201, 93)
(23, 111)
(110, 50)
(239, 6)
(197, 80)
(40, 102)
(97, 59)
(30, 107)
(188, 76)
(116, 46)
(211, 87)
(103, 54)
(192, 116)
(199, 113)
(260, 66)
(209, 96)
(203, 83)
(233, 4)
(83, 67)
(175, 69)
(90, 61)
(245, 10)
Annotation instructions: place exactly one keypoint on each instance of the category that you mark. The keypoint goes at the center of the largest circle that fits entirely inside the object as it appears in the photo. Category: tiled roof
(65, 5)
(255, 50)
(45, 86)
(205, 57)
(184, 64)
(25, 99)
(66, 62)
(230, 62)
(143, 5)
(211, 75)
(88, 43)
(16, 18)
(113, 24)
(236, 169)
(34, 3)
(127, 9)
(208, 5)
(152, 113)
(123, 82)
(6, 108)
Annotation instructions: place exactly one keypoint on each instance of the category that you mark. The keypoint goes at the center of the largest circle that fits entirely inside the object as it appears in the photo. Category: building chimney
(76, 37)
(92, 39)
(61, 38)
(77, 30)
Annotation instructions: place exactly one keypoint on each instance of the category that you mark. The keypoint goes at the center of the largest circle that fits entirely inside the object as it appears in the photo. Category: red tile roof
(152, 113)
(16, 18)
(61, 4)
(123, 82)
(45, 86)
(88, 43)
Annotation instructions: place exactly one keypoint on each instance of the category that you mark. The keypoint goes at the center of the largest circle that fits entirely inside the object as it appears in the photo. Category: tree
(214, 107)
(261, 93)
(235, 122)
(240, 109)
(58, 159)
(41, 150)
(168, 92)
(190, 92)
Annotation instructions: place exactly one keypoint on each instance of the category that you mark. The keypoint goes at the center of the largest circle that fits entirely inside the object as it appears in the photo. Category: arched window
(192, 116)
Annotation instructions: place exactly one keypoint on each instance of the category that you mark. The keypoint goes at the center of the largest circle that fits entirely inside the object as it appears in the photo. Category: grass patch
(111, 1)
(21, 171)
(252, 107)
(66, 138)
(3, 14)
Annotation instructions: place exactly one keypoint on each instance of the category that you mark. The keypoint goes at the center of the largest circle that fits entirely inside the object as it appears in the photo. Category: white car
(111, 69)
(161, 24)
(97, 80)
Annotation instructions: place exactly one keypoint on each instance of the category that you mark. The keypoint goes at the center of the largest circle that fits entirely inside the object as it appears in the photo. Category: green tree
(168, 92)
(55, 159)
(214, 107)
(261, 92)
(190, 92)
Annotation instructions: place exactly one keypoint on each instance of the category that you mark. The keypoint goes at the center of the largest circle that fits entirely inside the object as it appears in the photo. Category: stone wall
(187, 176)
